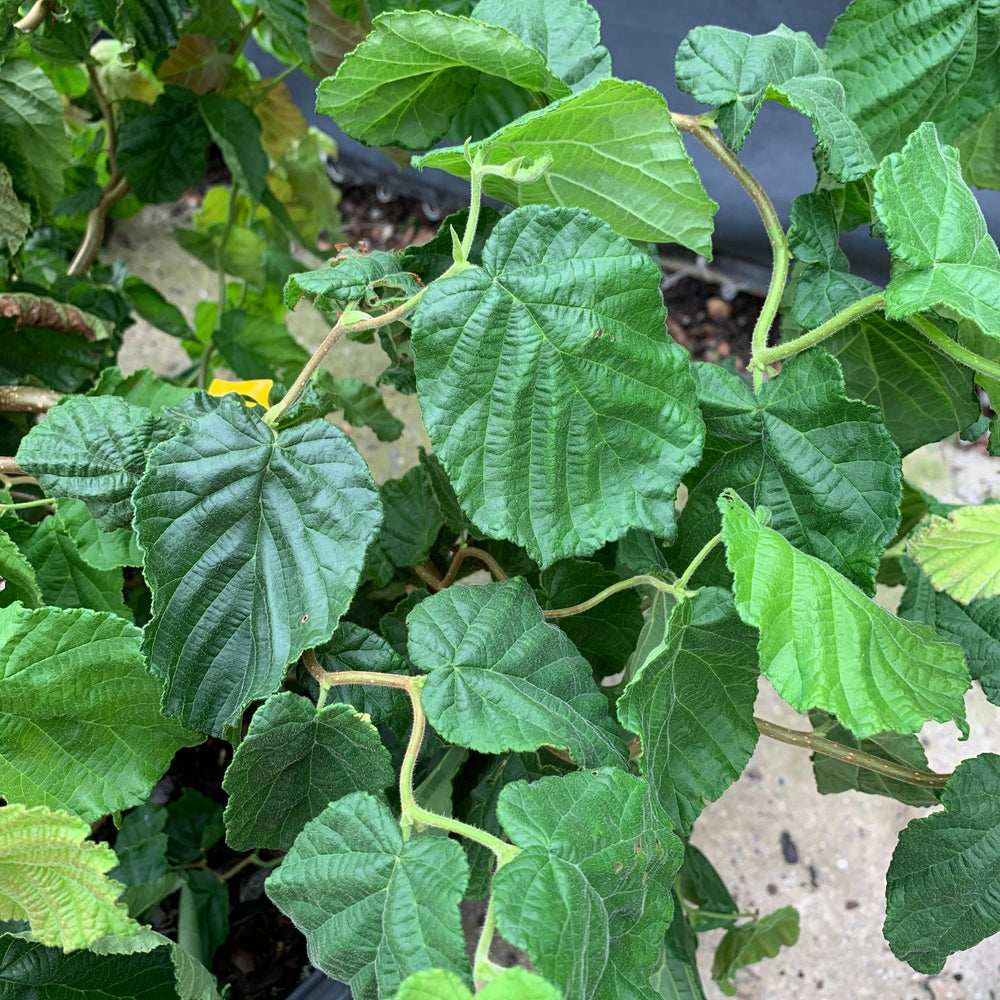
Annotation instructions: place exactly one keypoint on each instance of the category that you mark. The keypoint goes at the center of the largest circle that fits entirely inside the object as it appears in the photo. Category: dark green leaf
(202, 914)
(614, 150)
(163, 148)
(280, 524)
(152, 26)
(444, 493)
(699, 883)
(824, 644)
(692, 704)
(431, 259)
(364, 406)
(310, 757)
(824, 465)
(675, 974)
(142, 388)
(82, 730)
(352, 276)
(607, 633)
(502, 678)
(141, 848)
(258, 346)
(736, 72)
(749, 943)
(15, 216)
(437, 787)
(155, 309)
(412, 517)
(979, 146)
(653, 635)
(290, 18)
(62, 361)
(18, 576)
(974, 626)
(908, 61)
(373, 907)
(602, 855)
(93, 449)
(415, 71)
(941, 888)
(235, 129)
(556, 347)
(833, 775)
(195, 825)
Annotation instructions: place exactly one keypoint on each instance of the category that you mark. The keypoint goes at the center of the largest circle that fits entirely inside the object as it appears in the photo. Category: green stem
(275, 81)
(772, 224)
(250, 859)
(695, 563)
(829, 748)
(476, 196)
(43, 502)
(952, 348)
(205, 365)
(277, 411)
(714, 914)
(845, 317)
(244, 35)
(633, 581)
(483, 969)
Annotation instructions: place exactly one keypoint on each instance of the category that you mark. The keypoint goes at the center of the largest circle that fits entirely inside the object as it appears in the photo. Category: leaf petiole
(675, 589)
(952, 348)
(699, 558)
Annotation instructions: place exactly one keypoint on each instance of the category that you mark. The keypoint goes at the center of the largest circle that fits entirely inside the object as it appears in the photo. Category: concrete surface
(843, 843)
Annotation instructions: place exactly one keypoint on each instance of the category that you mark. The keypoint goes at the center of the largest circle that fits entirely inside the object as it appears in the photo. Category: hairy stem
(696, 562)
(27, 399)
(428, 574)
(469, 236)
(337, 331)
(772, 224)
(35, 17)
(483, 969)
(633, 581)
(952, 348)
(829, 748)
(845, 317)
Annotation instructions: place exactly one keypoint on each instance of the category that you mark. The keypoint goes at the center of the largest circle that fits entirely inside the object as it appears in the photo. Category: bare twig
(35, 17)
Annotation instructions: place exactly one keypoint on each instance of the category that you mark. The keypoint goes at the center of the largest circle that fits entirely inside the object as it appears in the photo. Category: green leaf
(979, 146)
(51, 876)
(653, 635)
(65, 578)
(235, 129)
(602, 855)
(254, 543)
(82, 729)
(142, 388)
(35, 146)
(675, 974)
(162, 149)
(355, 648)
(824, 465)
(431, 259)
(502, 678)
(566, 32)
(412, 517)
(15, 216)
(736, 72)
(104, 550)
(258, 346)
(974, 626)
(152, 26)
(823, 644)
(700, 883)
(749, 943)
(941, 887)
(62, 361)
(960, 553)
(511, 984)
(17, 576)
(692, 704)
(834, 776)
(352, 276)
(290, 18)
(364, 406)
(923, 394)
(141, 849)
(94, 449)
(202, 914)
(311, 758)
(942, 253)
(415, 71)
(556, 347)
(903, 62)
(373, 907)
(194, 825)
(154, 308)
(614, 150)
(605, 634)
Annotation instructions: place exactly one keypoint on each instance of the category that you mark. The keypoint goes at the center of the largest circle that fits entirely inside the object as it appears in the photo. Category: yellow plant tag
(254, 391)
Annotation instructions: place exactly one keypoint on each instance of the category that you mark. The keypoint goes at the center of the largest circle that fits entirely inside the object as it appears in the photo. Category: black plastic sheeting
(320, 987)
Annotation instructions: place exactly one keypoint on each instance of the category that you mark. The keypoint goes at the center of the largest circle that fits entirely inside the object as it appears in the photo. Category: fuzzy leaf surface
(904, 62)
(511, 984)
(53, 877)
(92, 448)
(979, 146)
(373, 908)
(615, 151)
(974, 626)
(502, 678)
(19, 583)
(81, 726)
(15, 216)
(943, 885)
(311, 758)
(351, 277)
(254, 543)
(560, 409)
(745, 945)
(416, 70)
(823, 464)
(736, 72)
(824, 644)
(961, 552)
(692, 704)
(412, 517)
(100, 549)
(603, 856)
(942, 253)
